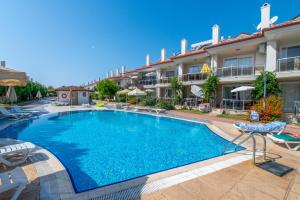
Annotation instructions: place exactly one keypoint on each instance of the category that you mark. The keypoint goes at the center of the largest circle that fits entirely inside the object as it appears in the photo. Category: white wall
(271, 56)
(83, 97)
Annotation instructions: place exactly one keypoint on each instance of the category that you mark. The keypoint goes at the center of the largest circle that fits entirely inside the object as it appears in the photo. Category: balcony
(164, 80)
(193, 77)
(148, 82)
(288, 64)
(236, 71)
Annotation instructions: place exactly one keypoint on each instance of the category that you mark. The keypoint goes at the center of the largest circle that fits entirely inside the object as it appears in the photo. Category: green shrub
(121, 98)
(165, 104)
(95, 96)
(148, 101)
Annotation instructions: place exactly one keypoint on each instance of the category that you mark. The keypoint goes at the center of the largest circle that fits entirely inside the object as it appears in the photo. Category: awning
(242, 89)
(11, 77)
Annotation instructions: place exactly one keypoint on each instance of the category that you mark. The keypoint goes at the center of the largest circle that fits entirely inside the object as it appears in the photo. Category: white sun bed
(286, 139)
(15, 179)
(23, 149)
(9, 114)
(157, 110)
(16, 109)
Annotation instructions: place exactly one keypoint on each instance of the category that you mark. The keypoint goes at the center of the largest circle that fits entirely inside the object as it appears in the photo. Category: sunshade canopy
(205, 69)
(242, 89)
(125, 91)
(11, 94)
(149, 90)
(38, 95)
(197, 91)
(11, 77)
(137, 92)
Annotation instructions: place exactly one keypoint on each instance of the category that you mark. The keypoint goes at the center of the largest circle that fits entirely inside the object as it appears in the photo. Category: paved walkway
(242, 181)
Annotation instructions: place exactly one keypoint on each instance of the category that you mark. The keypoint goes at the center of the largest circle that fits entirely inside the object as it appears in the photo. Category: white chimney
(107, 75)
(265, 15)
(147, 59)
(117, 72)
(183, 46)
(123, 70)
(111, 74)
(215, 34)
(163, 55)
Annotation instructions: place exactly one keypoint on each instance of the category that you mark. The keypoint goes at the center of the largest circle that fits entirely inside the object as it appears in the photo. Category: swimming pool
(100, 148)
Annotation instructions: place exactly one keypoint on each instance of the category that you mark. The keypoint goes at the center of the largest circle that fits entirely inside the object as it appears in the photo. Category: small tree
(176, 89)
(210, 88)
(107, 88)
(272, 85)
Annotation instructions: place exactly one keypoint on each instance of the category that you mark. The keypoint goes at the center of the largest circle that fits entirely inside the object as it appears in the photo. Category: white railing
(193, 77)
(288, 64)
(191, 102)
(148, 82)
(232, 104)
(236, 71)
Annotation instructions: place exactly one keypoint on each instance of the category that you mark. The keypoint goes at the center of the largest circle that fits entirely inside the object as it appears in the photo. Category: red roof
(73, 88)
(240, 38)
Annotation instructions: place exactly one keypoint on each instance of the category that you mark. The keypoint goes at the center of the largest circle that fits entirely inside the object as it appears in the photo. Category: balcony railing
(288, 64)
(148, 82)
(164, 80)
(236, 71)
(194, 77)
(233, 104)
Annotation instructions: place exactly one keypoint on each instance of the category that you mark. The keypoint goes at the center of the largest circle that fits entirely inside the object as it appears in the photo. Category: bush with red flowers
(272, 111)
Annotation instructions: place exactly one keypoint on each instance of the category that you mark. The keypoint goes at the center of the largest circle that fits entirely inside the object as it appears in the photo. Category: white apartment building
(236, 61)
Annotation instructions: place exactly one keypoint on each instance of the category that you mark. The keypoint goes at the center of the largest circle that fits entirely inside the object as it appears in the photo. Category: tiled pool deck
(232, 176)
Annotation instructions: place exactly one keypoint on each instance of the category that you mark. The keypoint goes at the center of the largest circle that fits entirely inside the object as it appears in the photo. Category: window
(84, 94)
(168, 92)
(170, 73)
(238, 62)
(194, 70)
(288, 52)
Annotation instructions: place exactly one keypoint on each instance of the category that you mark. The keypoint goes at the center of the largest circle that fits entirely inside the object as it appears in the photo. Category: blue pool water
(99, 148)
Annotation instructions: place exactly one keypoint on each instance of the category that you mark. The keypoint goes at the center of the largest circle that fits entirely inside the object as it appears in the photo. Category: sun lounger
(23, 149)
(86, 105)
(18, 110)
(15, 179)
(60, 103)
(9, 114)
(157, 110)
(286, 139)
(272, 127)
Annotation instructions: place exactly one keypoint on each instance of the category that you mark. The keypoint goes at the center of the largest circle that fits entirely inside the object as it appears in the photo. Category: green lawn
(229, 116)
(191, 111)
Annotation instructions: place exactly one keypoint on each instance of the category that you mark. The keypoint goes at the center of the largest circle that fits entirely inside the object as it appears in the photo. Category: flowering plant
(272, 110)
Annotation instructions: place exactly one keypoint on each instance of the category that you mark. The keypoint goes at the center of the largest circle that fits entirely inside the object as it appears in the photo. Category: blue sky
(69, 42)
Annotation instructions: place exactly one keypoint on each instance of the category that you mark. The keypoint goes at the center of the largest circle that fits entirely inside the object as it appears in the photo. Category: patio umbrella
(11, 94)
(11, 77)
(125, 91)
(149, 91)
(197, 91)
(205, 69)
(38, 95)
(242, 89)
(137, 92)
